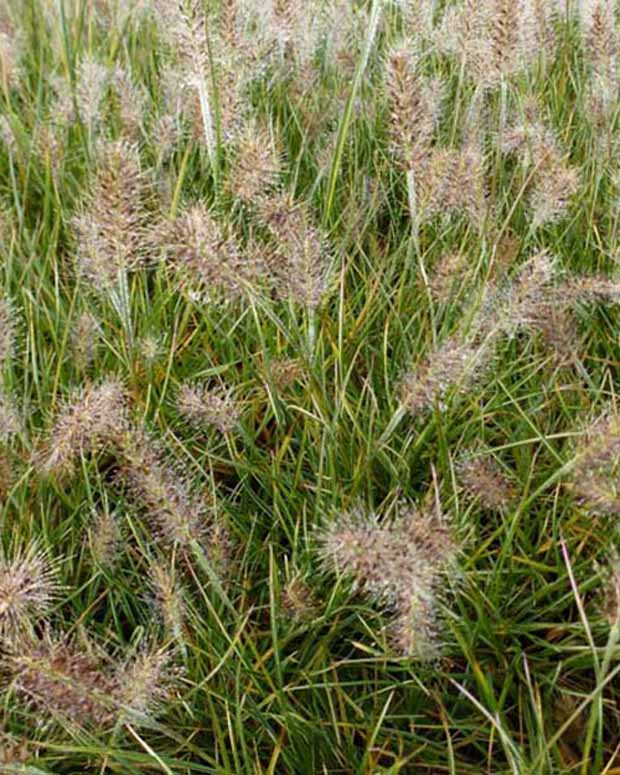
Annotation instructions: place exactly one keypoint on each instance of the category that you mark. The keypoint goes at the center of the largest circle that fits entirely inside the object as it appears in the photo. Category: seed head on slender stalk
(57, 677)
(594, 476)
(179, 516)
(184, 21)
(84, 339)
(88, 423)
(169, 598)
(207, 261)
(203, 406)
(7, 332)
(400, 565)
(415, 103)
(112, 225)
(145, 683)
(299, 257)
(483, 480)
(10, 52)
(257, 164)
(10, 420)
(28, 587)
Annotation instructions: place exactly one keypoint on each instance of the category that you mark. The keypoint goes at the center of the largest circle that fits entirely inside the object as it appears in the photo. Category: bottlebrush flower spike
(28, 587)
(169, 599)
(91, 83)
(415, 103)
(203, 406)
(179, 516)
(84, 339)
(89, 422)
(299, 257)
(602, 52)
(56, 677)
(112, 225)
(400, 565)
(482, 479)
(516, 303)
(207, 262)
(185, 22)
(594, 476)
(145, 683)
(456, 365)
(104, 538)
(10, 51)
(10, 420)
(7, 332)
(257, 163)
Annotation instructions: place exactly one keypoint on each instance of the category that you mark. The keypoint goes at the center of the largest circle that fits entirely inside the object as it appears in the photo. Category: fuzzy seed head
(203, 406)
(179, 516)
(10, 420)
(92, 79)
(111, 229)
(91, 421)
(146, 683)
(208, 263)
(7, 331)
(169, 598)
(299, 256)
(594, 477)
(415, 107)
(455, 367)
(84, 339)
(104, 538)
(55, 677)
(28, 587)
(399, 565)
(257, 164)
(483, 480)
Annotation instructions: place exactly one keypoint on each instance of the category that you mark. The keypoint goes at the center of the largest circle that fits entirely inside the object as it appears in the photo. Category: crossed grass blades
(309, 436)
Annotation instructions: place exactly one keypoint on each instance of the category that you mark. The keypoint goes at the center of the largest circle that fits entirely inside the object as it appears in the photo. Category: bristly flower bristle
(203, 406)
(54, 676)
(7, 330)
(594, 476)
(415, 103)
(28, 587)
(257, 164)
(104, 538)
(454, 366)
(145, 683)
(484, 480)
(178, 515)
(299, 257)
(112, 226)
(89, 422)
(83, 339)
(10, 52)
(399, 565)
(208, 262)
(169, 598)
(10, 420)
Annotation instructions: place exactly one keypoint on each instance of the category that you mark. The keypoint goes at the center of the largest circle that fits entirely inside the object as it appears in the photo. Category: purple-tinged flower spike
(57, 677)
(208, 263)
(112, 226)
(145, 683)
(203, 406)
(484, 481)
(179, 516)
(401, 565)
(28, 588)
(594, 476)
(89, 422)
